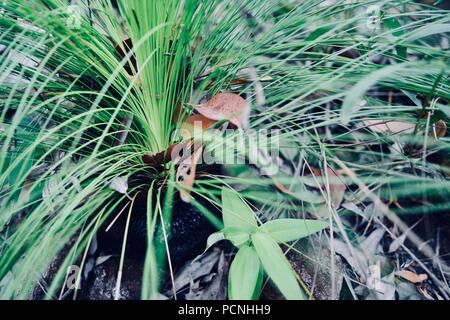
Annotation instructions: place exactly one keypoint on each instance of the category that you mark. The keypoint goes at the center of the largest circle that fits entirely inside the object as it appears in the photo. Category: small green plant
(95, 94)
(258, 249)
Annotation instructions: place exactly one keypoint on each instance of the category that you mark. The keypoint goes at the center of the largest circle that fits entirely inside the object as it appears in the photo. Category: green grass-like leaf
(235, 212)
(244, 274)
(285, 230)
(277, 266)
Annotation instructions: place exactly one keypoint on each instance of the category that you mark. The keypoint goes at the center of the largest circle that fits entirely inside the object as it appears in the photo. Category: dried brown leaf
(381, 126)
(440, 129)
(411, 276)
(226, 106)
(159, 158)
(185, 175)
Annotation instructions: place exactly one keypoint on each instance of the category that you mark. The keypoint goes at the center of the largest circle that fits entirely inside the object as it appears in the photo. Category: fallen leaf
(385, 289)
(354, 257)
(226, 106)
(196, 121)
(195, 269)
(440, 129)
(371, 243)
(185, 174)
(102, 259)
(381, 126)
(423, 290)
(397, 243)
(407, 291)
(411, 276)
(200, 121)
(120, 184)
(212, 286)
(374, 277)
(380, 288)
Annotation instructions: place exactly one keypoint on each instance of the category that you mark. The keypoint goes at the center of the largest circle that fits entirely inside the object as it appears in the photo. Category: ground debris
(312, 262)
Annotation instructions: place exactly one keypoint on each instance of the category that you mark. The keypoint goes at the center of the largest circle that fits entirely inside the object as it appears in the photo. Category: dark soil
(187, 238)
(189, 230)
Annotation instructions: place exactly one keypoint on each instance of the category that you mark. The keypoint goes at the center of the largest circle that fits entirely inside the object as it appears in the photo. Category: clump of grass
(76, 115)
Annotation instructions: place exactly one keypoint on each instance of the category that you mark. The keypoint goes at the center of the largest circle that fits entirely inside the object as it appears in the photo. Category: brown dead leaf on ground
(381, 126)
(439, 129)
(200, 121)
(196, 121)
(411, 276)
(226, 106)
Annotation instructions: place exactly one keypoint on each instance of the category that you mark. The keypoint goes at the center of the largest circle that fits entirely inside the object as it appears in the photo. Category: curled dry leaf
(201, 121)
(381, 126)
(411, 276)
(440, 129)
(397, 243)
(177, 152)
(185, 175)
(223, 106)
(195, 122)
(424, 292)
(226, 106)
(371, 245)
(160, 158)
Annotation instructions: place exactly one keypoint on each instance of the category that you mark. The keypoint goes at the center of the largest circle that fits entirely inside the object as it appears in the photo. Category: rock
(48, 275)
(102, 283)
(187, 237)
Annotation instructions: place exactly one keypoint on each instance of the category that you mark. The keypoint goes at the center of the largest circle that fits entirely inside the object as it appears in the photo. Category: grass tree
(94, 92)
